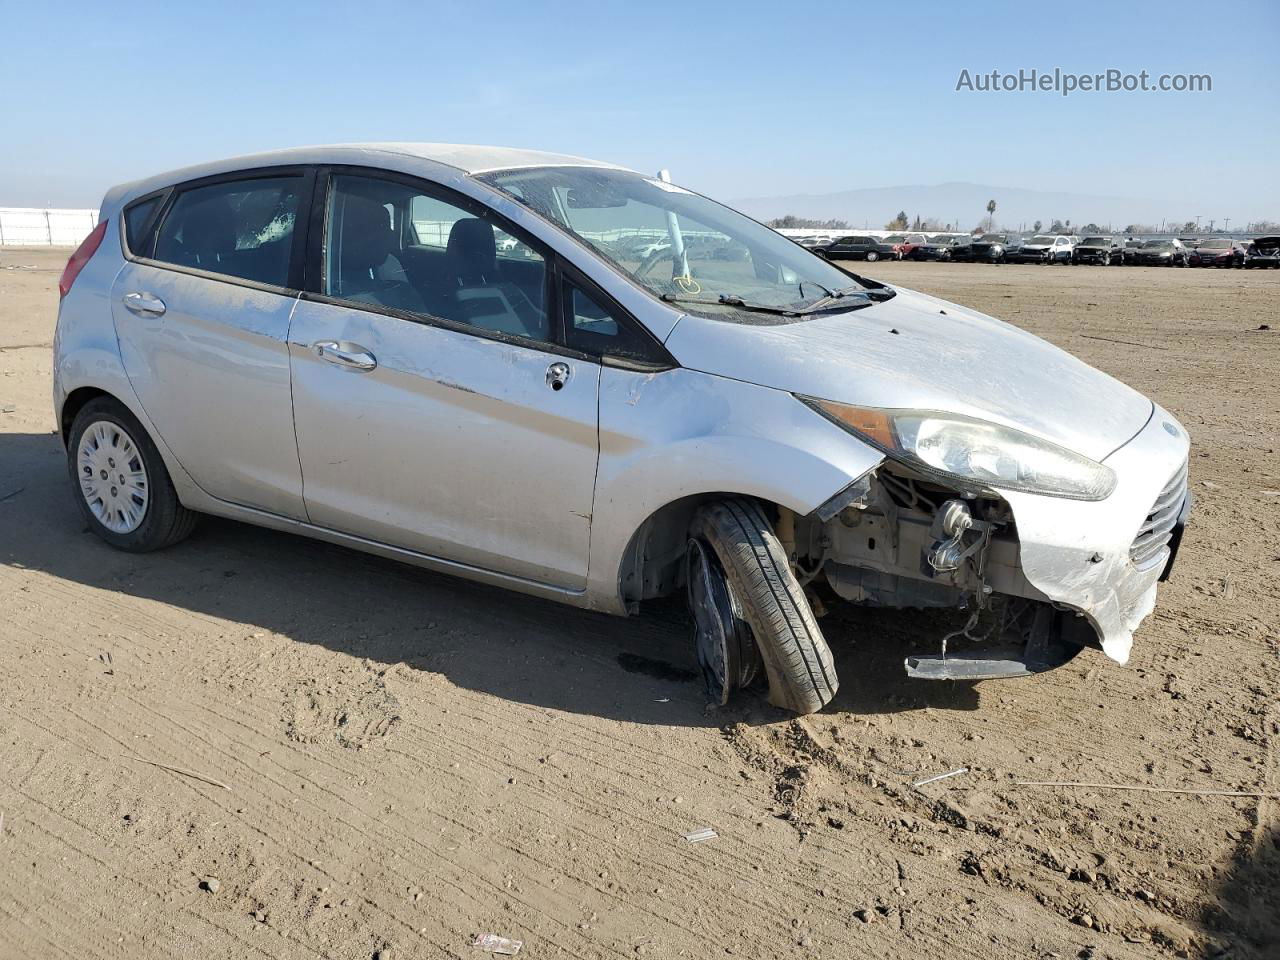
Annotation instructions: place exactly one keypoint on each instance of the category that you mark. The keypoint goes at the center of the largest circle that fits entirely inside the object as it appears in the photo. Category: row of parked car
(1053, 248)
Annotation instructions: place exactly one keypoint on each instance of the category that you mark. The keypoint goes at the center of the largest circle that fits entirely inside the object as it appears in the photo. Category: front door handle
(144, 304)
(558, 375)
(345, 354)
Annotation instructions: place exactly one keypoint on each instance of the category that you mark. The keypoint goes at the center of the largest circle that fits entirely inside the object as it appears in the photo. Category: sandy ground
(413, 760)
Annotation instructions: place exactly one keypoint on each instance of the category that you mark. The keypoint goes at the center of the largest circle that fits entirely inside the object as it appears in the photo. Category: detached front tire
(121, 484)
(797, 660)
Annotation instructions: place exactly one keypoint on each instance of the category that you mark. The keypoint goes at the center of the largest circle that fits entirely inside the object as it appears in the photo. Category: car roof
(468, 159)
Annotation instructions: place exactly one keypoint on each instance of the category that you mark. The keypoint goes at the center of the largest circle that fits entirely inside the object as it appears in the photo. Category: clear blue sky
(738, 99)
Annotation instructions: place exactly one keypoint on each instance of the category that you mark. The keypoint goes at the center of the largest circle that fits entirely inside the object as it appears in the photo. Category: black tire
(165, 520)
(872, 256)
(797, 660)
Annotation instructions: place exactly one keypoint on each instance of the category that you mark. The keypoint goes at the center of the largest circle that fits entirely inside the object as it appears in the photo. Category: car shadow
(1244, 922)
(639, 669)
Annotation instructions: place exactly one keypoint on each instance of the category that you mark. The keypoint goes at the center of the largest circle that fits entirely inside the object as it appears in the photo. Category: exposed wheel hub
(113, 478)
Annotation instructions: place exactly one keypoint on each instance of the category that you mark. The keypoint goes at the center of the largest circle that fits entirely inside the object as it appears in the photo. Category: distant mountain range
(962, 204)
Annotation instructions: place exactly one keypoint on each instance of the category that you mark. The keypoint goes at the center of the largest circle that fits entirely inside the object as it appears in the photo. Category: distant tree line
(792, 222)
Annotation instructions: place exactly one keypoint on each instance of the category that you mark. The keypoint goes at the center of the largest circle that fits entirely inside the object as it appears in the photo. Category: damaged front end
(898, 539)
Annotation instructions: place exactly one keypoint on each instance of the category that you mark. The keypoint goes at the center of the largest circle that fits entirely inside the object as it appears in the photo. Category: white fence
(35, 227)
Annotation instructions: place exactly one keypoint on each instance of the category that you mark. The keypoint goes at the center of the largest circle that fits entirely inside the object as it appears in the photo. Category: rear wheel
(770, 601)
(872, 256)
(122, 487)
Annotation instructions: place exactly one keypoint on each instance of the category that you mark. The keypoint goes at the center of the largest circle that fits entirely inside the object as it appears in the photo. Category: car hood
(908, 353)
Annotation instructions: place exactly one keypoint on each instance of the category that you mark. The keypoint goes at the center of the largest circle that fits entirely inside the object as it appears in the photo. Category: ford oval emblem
(1170, 429)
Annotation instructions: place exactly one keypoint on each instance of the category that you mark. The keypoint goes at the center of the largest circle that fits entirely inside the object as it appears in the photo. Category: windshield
(1158, 245)
(992, 238)
(1040, 241)
(674, 243)
(1216, 244)
(1096, 241)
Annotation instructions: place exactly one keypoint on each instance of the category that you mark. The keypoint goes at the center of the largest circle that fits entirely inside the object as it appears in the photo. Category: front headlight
(961, 450)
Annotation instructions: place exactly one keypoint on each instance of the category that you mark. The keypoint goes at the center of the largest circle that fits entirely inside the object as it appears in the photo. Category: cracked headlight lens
(962, 450)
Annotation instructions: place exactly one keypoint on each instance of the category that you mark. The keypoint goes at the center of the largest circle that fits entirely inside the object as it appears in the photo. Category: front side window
(675, 244)
(394, 245)
(240, 228)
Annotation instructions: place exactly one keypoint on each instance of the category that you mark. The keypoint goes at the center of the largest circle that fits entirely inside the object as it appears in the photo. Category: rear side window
(241, 228)
(136, 219)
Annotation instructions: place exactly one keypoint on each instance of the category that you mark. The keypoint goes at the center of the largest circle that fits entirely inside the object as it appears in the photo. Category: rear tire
(162, 520)
(797, 660)
(872, 256)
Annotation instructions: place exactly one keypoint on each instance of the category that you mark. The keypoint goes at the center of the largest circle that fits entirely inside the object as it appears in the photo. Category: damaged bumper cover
(1099, 558)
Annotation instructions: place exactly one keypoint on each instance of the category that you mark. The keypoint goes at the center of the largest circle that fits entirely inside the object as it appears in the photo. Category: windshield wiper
(871, 289)
(728, 300)
(833, 302)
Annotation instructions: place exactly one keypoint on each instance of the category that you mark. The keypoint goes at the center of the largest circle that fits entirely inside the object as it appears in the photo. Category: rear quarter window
(137, 219)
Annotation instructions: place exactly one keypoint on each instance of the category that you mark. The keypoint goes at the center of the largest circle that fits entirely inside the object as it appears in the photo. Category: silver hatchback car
(592, 385)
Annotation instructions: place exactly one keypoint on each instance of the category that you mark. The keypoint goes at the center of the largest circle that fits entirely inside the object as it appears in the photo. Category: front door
(202, 315)
(433, 411)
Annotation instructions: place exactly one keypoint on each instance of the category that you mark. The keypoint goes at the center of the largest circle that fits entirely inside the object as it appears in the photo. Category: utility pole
(1226, 224)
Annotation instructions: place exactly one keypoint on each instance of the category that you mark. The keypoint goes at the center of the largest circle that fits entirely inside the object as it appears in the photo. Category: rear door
(435, 406)
(202, 314)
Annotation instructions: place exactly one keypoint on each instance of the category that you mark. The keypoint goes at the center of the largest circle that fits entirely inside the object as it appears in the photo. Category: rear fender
(86, 353)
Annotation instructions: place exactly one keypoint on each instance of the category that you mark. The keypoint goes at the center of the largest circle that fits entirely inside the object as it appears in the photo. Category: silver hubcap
(113, 478)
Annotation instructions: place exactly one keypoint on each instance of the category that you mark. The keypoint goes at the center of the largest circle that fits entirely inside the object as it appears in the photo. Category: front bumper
(1077, 553)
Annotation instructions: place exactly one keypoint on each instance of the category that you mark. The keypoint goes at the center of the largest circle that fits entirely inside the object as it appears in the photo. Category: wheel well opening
(653, 564)
(75, 402)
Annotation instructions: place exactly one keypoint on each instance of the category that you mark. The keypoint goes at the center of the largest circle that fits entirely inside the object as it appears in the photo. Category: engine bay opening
(900, 540)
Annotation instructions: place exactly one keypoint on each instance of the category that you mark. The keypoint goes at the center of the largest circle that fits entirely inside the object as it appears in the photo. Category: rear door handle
(144, 304)
(345, 354)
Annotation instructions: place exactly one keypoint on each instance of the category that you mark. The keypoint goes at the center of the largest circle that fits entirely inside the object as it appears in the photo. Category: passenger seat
(481, 297)
(365, 266)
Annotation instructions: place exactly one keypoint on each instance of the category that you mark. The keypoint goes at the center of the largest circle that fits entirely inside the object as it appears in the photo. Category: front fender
(669, 436)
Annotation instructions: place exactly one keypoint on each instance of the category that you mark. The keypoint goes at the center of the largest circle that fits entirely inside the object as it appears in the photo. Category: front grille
(1153, 536)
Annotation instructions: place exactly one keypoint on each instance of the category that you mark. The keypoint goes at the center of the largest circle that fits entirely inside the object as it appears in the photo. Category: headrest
(472, 251)
(208, 227)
